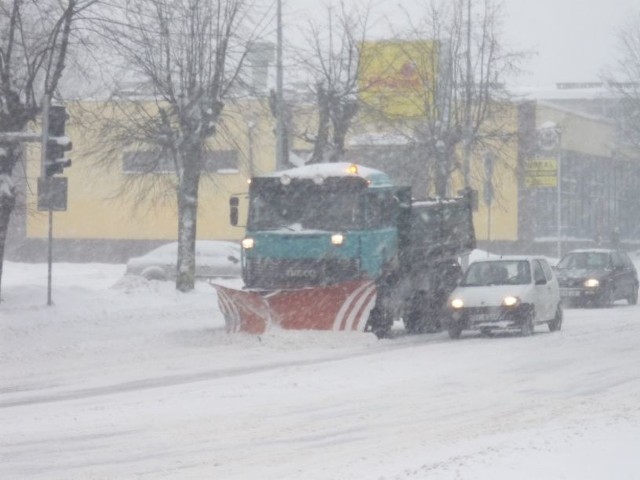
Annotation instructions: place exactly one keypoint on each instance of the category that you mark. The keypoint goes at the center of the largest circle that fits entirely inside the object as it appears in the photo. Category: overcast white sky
(573, 39)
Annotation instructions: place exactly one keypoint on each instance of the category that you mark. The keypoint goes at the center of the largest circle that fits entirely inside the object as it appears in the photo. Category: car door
(543, 289)
(630, 274)
(554, 287)
(619, 275)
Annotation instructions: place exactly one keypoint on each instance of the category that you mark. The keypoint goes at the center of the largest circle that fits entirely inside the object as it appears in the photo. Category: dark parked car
(597, 277)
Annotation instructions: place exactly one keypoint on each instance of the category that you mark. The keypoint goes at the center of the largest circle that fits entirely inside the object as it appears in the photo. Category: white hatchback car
(507, 293)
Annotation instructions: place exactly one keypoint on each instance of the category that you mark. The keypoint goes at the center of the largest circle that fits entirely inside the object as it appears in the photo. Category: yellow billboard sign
(541, 172)
(396, 77)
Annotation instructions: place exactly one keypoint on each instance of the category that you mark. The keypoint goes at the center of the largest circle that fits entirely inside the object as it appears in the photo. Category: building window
(149, 161)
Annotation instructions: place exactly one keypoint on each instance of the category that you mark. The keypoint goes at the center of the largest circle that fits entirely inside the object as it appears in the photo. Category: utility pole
(466, 167)
(279, 102)
(52, 191)
(466, 161)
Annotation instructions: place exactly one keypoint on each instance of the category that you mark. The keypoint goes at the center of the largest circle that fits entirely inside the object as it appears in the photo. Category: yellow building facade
(105, 207)
(106, 202)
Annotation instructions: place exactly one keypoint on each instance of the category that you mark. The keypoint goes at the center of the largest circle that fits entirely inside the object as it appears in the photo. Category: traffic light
(57, 143)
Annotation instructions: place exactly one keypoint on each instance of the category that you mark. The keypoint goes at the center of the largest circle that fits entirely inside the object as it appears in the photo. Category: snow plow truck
(338, 246)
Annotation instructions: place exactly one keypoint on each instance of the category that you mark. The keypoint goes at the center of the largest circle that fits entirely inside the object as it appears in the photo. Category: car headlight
(248, 243)
(592, 283)
(337, 239)
(456, 303)
(510, 301)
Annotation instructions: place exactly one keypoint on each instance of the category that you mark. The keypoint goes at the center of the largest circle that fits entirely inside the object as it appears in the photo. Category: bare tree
(182, 59)
(455, 69)
(35, 37)
(333, 60)
(625, 81)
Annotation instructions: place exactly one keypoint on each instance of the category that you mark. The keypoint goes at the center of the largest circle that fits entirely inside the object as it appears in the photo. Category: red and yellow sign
(397, 76)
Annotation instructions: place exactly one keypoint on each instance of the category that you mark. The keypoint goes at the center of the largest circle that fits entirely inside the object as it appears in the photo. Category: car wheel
(527, 328)
(556, 323)
(154, 273)
(633, 297)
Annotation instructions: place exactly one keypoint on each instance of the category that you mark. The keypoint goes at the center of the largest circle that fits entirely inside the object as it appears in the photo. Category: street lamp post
(549, 142)
(559, 203)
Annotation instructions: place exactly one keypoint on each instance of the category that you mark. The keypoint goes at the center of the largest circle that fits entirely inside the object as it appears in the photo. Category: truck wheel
(556, 323)
(416, 319)
(422, 321)
(381, 332)
(379, 324)
(412, 326)
(413, 321)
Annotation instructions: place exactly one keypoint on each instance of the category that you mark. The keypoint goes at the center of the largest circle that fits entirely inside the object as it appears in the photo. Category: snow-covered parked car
(214, 258)
(514, 292)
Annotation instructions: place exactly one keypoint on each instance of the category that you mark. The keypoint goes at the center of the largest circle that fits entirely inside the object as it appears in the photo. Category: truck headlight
(285, 180)
(248, 243)
(592, 283)
(510, 301)
(457, 303)
(337, 239)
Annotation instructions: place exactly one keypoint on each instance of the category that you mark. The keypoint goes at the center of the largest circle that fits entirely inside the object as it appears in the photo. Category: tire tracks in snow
(400, 341)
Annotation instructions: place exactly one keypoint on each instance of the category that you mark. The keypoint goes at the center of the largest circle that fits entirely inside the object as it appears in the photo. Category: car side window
(538, 272)
(626, 260)
(547, 270)
(616, 260)
(380, 210)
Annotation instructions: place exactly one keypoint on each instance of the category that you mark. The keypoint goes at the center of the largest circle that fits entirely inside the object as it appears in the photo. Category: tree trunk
(341, 117)
(442, 171)
(322, 138)
(6, 207)
(187, 221)
(337, 153)
(7, 199)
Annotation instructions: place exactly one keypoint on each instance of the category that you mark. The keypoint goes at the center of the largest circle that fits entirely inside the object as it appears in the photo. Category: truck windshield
(309, 208)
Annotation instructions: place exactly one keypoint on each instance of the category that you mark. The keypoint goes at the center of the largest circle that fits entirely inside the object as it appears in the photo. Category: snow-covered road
(123, 378)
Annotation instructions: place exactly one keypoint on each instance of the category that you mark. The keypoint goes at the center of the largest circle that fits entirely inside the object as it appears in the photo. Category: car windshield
(585, 261)
(499, 272)
(167, 249)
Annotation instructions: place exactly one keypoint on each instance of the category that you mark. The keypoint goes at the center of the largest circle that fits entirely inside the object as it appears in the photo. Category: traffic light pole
(46, 100)
(45, 174)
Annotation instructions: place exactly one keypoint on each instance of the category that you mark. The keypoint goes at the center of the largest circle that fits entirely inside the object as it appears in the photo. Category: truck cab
(318, 225)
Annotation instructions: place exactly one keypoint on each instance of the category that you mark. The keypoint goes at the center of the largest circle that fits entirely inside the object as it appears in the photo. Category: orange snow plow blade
(338, 307)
